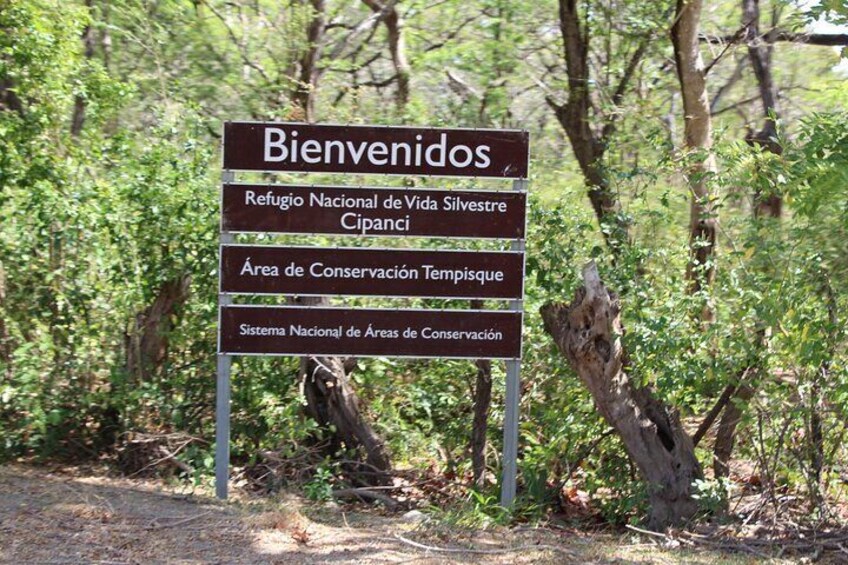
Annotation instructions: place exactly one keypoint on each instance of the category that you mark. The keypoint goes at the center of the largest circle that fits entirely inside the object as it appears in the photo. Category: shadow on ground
(66, 518)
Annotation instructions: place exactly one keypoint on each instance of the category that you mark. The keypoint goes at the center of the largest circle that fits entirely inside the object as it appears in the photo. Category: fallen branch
(435, 549)
(648, 532)
(178, 522)
(366, 493)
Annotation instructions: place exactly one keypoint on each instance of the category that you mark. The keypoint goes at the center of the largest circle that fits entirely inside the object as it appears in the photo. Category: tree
(588, 332)
(394, 23)
(307, 87)
(698, 143)
(766, 205)
(589, 126)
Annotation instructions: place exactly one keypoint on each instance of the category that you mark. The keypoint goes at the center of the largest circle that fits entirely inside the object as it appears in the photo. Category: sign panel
(263, 330)
(256, 269)
(373, 211)
(298, 147)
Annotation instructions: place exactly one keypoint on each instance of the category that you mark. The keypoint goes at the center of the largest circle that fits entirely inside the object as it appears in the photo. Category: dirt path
(65, 518)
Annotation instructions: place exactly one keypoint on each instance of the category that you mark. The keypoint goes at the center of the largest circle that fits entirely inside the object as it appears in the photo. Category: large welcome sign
(368, 212)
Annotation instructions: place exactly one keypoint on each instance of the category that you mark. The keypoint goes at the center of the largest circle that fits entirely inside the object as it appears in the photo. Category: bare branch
(823, 39)
(461, 87)
(452, 35)
(734, 78)
(242, 51)
(618, 96)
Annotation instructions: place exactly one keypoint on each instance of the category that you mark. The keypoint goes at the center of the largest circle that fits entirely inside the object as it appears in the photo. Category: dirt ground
(69, 516)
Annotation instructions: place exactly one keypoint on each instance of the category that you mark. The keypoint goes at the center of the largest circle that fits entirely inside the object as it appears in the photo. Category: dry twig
(435, 549)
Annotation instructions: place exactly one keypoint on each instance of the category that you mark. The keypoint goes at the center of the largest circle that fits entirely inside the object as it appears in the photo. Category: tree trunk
(304, 95)
(588, 333)
(482, 403)
(331, 400)
(726, 432)
(397, 47)
(88, 40)
(770, 205)
(9, 99)
(589, 147)
(147, 342)
(818, 390)
(698, 141)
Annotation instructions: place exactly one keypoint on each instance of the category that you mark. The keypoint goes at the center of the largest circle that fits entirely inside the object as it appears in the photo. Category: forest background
(697, 154)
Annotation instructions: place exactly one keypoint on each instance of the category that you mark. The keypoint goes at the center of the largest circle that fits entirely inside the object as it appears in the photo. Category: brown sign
(262, 330)
(373, 211)
(255, 269)
(297, 147)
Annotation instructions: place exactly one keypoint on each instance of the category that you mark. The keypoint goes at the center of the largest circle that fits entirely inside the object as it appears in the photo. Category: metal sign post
(222, 391)
(285, 270)
(513, 394)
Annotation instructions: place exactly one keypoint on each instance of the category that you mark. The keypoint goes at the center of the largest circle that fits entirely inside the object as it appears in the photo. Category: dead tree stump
(331, 400)
(588, 332)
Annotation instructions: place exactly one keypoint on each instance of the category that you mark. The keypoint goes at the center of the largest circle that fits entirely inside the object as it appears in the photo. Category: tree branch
(711, 416)
(722, 90)
(824, 39)
(242, 52)
(609, 127)
(452, 35)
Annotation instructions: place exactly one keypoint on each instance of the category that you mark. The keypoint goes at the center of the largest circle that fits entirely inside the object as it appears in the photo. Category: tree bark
(9, 99)
(589, 147)
(147, 342)
(304, 95)
(397, 47)
(482, 403)
(88, 40)
(726, 432)
(698, 141)
(331, 400)
(818, 391)
(759, 54)
(588, 333)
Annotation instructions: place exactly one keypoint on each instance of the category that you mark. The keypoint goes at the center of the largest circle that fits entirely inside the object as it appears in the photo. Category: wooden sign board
(466, 334)
(298, 147)
(253, 269)
(373, 211)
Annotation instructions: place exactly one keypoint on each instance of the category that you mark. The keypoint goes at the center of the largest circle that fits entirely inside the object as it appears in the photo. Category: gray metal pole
(513, 394)
(222, 427)
(222, 391)
(510, 453)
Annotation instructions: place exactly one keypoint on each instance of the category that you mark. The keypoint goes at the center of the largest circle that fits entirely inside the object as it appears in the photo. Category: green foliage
(476, 511)
(319, 487)
(712, 495)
